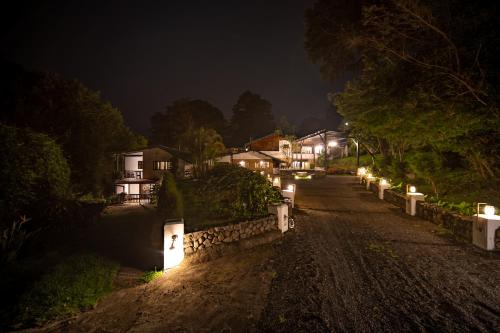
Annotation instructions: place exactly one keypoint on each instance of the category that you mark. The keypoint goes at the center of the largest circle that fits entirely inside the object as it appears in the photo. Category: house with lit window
(138, 171)
(256, 161)
(313, 151)
(305, 153)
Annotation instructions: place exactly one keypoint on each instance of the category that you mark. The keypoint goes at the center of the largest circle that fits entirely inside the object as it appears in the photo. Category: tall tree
(182, 116)
(427, 74)
(87, 128)
(204, 144)
(252, 117)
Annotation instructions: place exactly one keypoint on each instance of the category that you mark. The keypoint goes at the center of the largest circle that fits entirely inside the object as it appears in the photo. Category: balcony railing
(137, 198)
(132, 174)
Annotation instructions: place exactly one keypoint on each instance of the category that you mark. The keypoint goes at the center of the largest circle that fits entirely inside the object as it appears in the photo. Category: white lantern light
(361, 171)
(489, 210)
(291, 188)
(383, 181)
(412, 189)
(242, 163)
(173, 243)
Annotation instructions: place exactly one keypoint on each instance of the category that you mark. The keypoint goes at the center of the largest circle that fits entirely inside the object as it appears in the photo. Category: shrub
(169, 198)
(75, 284)
(229, 192)
(34, 176)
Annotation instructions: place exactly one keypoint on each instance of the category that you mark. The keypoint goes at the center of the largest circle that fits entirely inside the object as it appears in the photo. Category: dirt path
(352, 264)
(358, 264)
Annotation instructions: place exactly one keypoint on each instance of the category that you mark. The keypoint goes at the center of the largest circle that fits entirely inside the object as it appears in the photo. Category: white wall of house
(132, 163)
(134, 189)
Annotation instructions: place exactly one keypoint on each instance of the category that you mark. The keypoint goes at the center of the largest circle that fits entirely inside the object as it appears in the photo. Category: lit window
(162, 165)
(263, 164)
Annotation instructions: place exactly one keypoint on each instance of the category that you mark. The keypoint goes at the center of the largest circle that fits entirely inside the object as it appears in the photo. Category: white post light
(281, 212)
(361, 173)
(484, 227)
(383, 185)
(173, 243)
(289, 192)
(412, 196)
(369, 179)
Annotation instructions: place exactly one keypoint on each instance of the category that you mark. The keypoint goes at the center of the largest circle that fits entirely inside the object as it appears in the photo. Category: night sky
(144, 55)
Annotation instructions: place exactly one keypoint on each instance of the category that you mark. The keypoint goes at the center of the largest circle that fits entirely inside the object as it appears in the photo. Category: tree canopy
(204, 145)
(252, 118)
(182, 116)
(87, 128)
(427, 76)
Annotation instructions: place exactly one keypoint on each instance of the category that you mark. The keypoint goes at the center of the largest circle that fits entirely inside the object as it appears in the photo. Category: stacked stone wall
(211, 238)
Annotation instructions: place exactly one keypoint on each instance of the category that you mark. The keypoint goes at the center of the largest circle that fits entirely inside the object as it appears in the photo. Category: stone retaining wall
(460, 226)
(202, 241)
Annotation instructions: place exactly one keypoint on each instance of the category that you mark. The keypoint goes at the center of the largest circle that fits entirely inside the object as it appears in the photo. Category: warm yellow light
(383, 181)
(370, 175)
(291, 188)
(242, 163)
(332, 144)
(489, 210)
(318, 149)
(173, 243)
(277, 181)
(412, 189)
(361, 171)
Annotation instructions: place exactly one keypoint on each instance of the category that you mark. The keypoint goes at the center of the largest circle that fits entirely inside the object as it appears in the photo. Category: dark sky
(143, 55)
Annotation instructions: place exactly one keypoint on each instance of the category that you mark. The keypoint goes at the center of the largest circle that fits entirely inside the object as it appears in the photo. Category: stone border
(459, 225)
(214, 240)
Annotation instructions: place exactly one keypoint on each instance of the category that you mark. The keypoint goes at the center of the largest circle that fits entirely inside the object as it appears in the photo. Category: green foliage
(87, 128)
(252, 117)
(170, 204)
(151, 275)
(229, 192)
(184, 116)
(463, 208)
(426, 92)
(34, 176)
(203, 145)
(75, 284)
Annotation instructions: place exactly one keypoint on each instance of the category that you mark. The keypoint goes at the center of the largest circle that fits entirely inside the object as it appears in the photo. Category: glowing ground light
(489, 210)
(173, 243)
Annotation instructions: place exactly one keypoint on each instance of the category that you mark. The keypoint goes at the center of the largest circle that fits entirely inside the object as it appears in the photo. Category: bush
(34, 176)
(229, 192)
(169, 198)
(75, 284)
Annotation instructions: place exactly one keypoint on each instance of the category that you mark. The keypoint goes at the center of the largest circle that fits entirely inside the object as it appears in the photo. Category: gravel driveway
(357, 264)
(352, 264)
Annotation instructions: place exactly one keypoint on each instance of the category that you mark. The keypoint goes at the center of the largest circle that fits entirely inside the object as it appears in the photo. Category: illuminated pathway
(357, 264)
